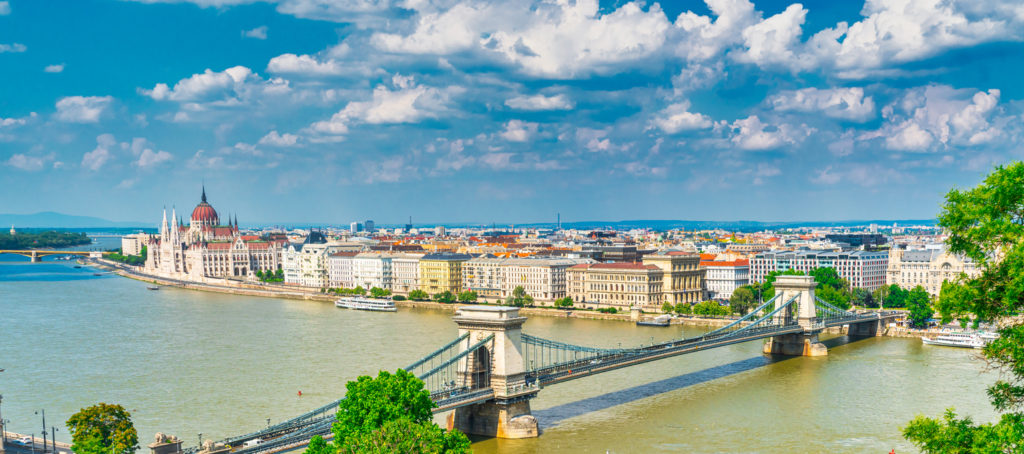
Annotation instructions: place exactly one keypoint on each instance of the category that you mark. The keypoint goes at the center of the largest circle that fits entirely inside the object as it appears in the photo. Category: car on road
(24, 441)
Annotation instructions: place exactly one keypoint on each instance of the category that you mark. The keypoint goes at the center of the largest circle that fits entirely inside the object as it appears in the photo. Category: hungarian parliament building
(206, 248)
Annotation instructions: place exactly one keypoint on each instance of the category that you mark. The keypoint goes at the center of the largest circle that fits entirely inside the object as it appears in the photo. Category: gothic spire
(204, 192)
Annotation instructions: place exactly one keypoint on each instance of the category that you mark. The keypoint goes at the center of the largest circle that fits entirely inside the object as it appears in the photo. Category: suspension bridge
(487, 375)
(36, 255)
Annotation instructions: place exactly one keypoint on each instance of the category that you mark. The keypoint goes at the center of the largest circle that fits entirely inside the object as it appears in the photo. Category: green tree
(467, 296)
(371, 402)
(861, 297)
(833, 296)
(667, 307)
(519, 297)
(405, 436)
(684, 308)
(418, 295)
(103, 429)
(564, 303)
(920, 307)
(879, 295)
(742, 300)
(445, 297)
(378, 292)
(359, 290)
(828, 276)
(895, 297)
(317, 445)
(986, 224)
(711, 308)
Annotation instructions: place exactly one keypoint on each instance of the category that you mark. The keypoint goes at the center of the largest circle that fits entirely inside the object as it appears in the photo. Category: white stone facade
(721, 278)
(928, 268)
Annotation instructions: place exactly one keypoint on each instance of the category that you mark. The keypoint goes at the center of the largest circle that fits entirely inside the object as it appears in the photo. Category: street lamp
(200, 441)
(44, 430)
(53, 438)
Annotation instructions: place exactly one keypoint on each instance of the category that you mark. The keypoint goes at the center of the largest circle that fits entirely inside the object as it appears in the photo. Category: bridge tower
(803, 310)
(499, 365)
(34, 258)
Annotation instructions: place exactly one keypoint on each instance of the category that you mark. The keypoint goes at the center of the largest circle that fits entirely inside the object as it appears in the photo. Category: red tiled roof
(249, 237)
(707, 257)
(739, 262)
(218, 246)
(614, 266)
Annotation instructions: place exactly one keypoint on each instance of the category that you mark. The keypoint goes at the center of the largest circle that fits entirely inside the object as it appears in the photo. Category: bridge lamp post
(44, 430)
(53, 438)
(200, 440)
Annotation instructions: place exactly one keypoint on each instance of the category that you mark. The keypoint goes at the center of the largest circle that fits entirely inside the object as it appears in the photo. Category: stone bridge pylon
(499, 365)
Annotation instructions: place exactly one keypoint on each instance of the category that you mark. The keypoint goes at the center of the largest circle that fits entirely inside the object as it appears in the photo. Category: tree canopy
(519, 297)
(742, 300)
(985, 224)
(418, 295)
(920, 306)
(445, 297)
(390, 413)
(103, 429)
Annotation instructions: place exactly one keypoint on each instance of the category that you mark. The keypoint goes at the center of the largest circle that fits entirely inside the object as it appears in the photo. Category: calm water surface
(187, 362)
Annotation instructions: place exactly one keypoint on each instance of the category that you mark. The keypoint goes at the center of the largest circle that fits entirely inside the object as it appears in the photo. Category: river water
(186, 362)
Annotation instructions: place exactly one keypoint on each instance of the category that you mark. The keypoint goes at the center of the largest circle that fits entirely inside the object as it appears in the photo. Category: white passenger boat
(366, 304)
(962, 340)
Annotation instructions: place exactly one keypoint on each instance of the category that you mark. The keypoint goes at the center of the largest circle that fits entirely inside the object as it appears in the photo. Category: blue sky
(326, 111)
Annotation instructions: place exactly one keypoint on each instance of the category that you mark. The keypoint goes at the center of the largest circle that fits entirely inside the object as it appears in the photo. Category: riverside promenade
(280, 291)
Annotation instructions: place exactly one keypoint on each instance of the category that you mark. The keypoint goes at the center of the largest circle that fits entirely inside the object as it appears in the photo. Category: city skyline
(305, 111)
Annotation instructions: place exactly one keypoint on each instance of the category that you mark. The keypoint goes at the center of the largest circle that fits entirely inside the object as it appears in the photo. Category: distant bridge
(489, 373)
(36, 254)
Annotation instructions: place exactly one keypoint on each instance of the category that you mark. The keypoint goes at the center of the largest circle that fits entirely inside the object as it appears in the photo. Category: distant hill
(50, 219)
(740, 226)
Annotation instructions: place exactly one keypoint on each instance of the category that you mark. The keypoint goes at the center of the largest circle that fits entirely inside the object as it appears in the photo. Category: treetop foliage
(103, 429)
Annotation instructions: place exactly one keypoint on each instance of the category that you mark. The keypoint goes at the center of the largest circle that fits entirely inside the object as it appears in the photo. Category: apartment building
(863, 269)
(722, 277)
(440, 271)
(619, 285)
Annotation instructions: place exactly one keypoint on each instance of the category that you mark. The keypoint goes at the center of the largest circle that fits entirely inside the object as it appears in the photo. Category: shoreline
(299, 294)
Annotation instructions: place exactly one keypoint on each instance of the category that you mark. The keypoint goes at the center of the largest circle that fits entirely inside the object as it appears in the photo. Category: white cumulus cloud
(5, 8)
(279, 140)
(303, 65)
(82, 109)
(937, 116)
(30, 163)
(256, 33)
(518, 131)
(54, 68)
(95, 159)
(845, 103)
(14, 48)
(752, 134)
(540, 102)
(404, 102)
(677, 117)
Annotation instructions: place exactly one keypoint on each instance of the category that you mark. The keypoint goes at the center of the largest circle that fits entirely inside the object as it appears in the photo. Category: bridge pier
(797, 344)
(870, 328)
(34, 258)
(500, 367)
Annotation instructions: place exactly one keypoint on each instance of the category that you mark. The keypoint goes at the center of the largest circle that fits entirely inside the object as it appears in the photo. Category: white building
(405, 272)
(372, 269)
(306, 264)
(542, 278)
(721, 278)
(863, 269)
(928, 268)
(340, 270)
(132, 244)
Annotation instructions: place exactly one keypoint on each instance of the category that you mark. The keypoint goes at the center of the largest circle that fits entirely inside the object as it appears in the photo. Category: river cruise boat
(662, 321)
(363, 303)
(962, 340)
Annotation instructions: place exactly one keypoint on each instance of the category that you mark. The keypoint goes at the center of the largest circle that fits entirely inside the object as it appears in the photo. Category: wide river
(186, 362)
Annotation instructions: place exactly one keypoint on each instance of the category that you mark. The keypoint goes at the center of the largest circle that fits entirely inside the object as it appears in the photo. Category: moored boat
(153, 287)
(962, 340)
(662, 320)
(363, 303)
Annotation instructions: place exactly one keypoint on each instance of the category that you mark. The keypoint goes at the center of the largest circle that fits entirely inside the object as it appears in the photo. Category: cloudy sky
(505, 111)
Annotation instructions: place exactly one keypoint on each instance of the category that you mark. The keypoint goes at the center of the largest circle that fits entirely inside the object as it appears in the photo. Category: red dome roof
(205, 213)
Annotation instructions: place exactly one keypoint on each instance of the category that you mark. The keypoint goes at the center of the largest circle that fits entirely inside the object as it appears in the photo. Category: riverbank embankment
(280, 291)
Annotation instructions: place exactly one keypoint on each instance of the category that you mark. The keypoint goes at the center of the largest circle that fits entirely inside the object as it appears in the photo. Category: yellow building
(442, 271)
(684, 279)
